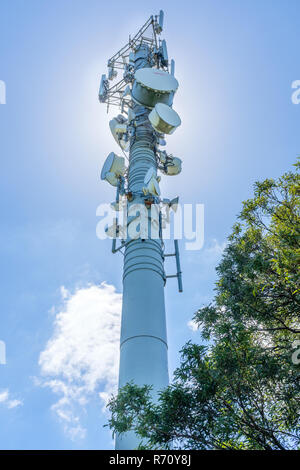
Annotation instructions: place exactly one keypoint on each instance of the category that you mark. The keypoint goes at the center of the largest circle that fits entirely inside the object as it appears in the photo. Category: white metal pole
(143, 344)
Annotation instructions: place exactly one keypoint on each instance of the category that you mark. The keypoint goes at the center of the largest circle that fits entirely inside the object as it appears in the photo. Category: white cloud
(192, 325)
(7, 402)
(215, 250)
(211, 254)
(4, 396)
(82, 356)
(14, 403)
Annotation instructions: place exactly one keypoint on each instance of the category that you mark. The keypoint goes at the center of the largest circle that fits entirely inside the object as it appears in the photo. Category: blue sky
(235, 63)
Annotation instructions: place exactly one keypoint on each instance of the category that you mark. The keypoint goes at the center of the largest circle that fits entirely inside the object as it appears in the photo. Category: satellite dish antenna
(152, 86)
(152, 187)
(150, 174)
(151, 182)
(111, 178)
(164, 119)
(114, 231)
(119, 129)
(113, 168)
(116, 206)
(174, 167)
(174, 204)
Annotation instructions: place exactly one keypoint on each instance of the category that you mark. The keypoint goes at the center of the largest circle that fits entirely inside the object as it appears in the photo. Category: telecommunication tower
(144, 95)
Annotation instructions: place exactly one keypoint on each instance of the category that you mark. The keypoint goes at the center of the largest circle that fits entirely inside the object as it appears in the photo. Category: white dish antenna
(174, 203)
(151, 182)
(118, 127)
(151, 173)
(152, 86)
(164, 119)
(115, 231)
(152, 188)
(173, 167)
(113, 168)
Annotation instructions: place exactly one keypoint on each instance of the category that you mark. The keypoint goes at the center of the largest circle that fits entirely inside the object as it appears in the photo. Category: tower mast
(145, 96)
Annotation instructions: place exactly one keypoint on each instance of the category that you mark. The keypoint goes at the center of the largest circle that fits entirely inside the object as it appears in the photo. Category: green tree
(241, 389)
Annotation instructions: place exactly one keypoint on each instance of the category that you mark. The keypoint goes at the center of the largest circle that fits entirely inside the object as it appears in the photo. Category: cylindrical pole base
(143, 349)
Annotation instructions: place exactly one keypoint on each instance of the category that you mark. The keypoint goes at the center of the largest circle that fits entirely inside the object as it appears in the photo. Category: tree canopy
(240, 389)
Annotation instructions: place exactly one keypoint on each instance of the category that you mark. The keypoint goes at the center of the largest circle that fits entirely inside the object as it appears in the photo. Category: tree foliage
(241, 389)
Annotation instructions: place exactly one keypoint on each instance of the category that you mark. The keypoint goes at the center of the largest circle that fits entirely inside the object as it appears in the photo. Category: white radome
(164, 119)
(152, 187)
(157, 80)
(151, 182)
(118, 129)
(152, 86)
(114, 231)
(113, 168)
(174, 167)
(150, 173)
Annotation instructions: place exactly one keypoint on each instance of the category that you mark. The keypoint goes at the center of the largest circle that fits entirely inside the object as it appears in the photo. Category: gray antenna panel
(164, 53)
(173, 67)
(161, 20)
(103, 89)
